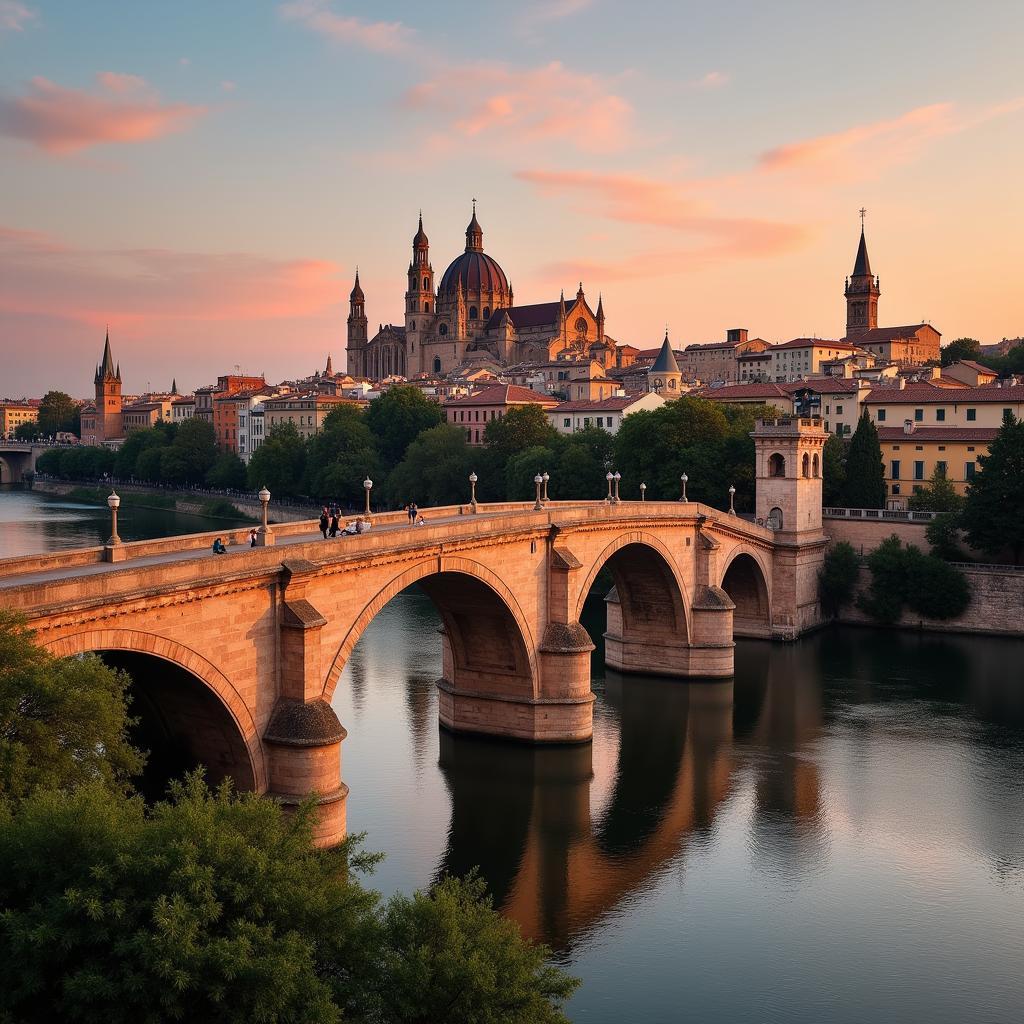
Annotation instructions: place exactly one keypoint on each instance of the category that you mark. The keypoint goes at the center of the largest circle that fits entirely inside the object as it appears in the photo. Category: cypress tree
(992, 515)
(864, 486)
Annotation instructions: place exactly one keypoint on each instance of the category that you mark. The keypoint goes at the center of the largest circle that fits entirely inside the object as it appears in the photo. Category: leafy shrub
(837, 581)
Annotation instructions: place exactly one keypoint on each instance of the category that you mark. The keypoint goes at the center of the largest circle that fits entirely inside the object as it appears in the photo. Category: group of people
(414, 514)
(330, 523)
(219, 547)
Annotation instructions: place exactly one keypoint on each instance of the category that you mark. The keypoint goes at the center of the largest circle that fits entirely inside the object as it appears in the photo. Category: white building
(606, 413)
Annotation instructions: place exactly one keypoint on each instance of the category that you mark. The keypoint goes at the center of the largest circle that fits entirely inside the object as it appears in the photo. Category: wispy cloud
(712, 80)
(58, 120)
(320, 17)
(14, 16)
(553, 10)
(498, 102)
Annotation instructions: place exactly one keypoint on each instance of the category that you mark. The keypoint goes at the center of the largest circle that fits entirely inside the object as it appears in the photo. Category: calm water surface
(32, 523)
(838, 835)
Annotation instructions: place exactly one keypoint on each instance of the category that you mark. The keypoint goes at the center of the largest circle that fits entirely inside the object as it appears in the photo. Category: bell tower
(788, 466)
(108, 396)
(861, 291)
(355, 362)
(420, 308)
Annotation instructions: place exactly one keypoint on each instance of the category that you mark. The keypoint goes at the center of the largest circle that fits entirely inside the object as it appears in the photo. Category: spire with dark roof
(174, 386)
(329, 370)
(105, 370)
(862, 265)
(579, 294)
(666, 361)
(357, 292)
(420, 240)
(474, 234)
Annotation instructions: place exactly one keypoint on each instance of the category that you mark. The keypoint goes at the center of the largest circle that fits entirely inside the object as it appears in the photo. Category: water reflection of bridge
(557, 867)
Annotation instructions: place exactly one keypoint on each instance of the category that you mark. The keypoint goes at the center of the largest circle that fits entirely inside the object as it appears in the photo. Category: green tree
(152, 465)
(341, 456)
(833, 471)
(583, 460)
(865, 472)
(227, 472)
(280, 462)
(214, 906)
(58, 412)
(992, 515)
(450, 957)
(961, 348)
(435, 470)
(522, 427)
(127, 457)
(27, 431)
(522, 467)
(195, 451)
(63, 721)
(837, 581)
(398, 417)
(943, 534)
(939, 496)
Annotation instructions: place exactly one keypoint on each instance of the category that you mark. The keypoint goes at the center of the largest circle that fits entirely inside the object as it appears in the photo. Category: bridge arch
(487, 632)
(745, 579)
(651, 593)
(213, 695)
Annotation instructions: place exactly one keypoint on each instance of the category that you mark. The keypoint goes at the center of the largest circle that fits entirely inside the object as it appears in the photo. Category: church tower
(862, 292)
(356, 350)
(108, 396)
(420, 310)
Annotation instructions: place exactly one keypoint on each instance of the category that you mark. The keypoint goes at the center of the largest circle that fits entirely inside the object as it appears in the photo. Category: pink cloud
(503, 104)
(671, 205)
(712, 80)
(59, 120)
(14, 16)
(185, 311)
(379, 36)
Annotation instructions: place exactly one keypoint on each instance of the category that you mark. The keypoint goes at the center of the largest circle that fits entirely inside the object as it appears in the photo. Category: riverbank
(226, 507)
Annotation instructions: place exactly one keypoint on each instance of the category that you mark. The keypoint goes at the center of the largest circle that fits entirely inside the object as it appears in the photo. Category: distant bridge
(253, 643)
(18, 458)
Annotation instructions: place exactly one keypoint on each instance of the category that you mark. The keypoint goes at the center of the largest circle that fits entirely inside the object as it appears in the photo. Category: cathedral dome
(479, 273)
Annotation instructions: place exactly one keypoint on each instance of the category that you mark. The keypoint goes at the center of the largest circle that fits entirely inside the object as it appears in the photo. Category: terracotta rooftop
(891, 333)
(763, 390)
(503, 394)
(820, 342)
(926, 393)
(601, 405)
(825, 385)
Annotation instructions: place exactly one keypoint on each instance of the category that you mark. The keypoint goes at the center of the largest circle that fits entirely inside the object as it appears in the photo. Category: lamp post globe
(264, 536)
(643, 492)
(367, 486)
(537, 481)
(545, 478)
(618, 477)
(609, 476)
(684, 479)
(113, 503)
(732, 495)
(472, 490)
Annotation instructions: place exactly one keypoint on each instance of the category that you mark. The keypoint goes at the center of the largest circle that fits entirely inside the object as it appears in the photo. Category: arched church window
(775, 519)
(412, 326)
(442, 330)
(581, 326)
(817, 466)
(437, 365)
(487, 312)
(776, 465)
(426, 284)
(472, 312)
(672, 384)
(426, 307)
(806, 465)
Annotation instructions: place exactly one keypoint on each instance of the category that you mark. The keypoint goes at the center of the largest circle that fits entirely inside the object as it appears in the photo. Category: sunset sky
(204, 177)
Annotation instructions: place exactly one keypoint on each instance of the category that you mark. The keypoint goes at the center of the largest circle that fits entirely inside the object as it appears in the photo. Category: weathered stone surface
(296, 724)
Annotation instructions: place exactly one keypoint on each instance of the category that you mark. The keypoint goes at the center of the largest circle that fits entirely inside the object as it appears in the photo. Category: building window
(586, 421)
(442, 330)
(600, 421)
(426, 284)
(972, 414)
(776, 465)
(426, 307)
(940, 466)
(437, 362)
(487, 313)
(894, 469)
(472, 312)
(895, 488)
(940, 415)
(918, 470)
(566, 422)
(478, 437)
(1006, 412)
(881, 416)
(970, 447)
(968, 470)
(918, 415)
(839, 410)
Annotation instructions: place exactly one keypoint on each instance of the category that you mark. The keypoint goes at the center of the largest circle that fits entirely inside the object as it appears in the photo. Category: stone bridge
(238, 656)
(18, 458)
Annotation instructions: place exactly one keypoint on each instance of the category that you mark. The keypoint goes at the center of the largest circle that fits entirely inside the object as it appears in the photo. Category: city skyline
(205, 181)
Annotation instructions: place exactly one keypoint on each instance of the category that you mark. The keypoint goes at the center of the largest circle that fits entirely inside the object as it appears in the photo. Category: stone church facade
(470, 318)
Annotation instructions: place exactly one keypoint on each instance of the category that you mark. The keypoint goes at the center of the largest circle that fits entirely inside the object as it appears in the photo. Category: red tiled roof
(503, 394)
(825, 385)
(817, 342)
(765, 390)
(926, 393)
(974, 366)
(600, 404)
(890, 333)
(981, 434)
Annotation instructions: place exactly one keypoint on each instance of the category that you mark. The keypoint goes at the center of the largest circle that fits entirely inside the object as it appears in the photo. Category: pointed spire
(357, 292)
(174, 386)
(329, 370)
(107, 365)
(579, 294)
(600, 306)
(561, 306)
(118, 373)
(666, 361)
(862, 265)
(420, 240)
(474, 234)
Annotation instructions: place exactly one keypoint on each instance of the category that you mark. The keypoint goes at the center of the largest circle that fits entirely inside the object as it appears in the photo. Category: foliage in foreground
(992, 517)
(216, 906)
(907, 577)
(63, 721)
(837, 580)
(864, 485)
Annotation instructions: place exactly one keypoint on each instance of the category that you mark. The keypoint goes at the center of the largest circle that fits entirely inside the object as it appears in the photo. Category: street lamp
(609, 476)
(618, 477)
(538, 480)
(732, 494)
(643, 492)
(367, 486)
(544, 497)
(472, 491)
(114, 551)
(684, 478)
(264, 535)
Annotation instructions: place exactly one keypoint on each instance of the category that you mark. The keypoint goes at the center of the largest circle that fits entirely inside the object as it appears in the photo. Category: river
(837, 835)
(32, 523)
